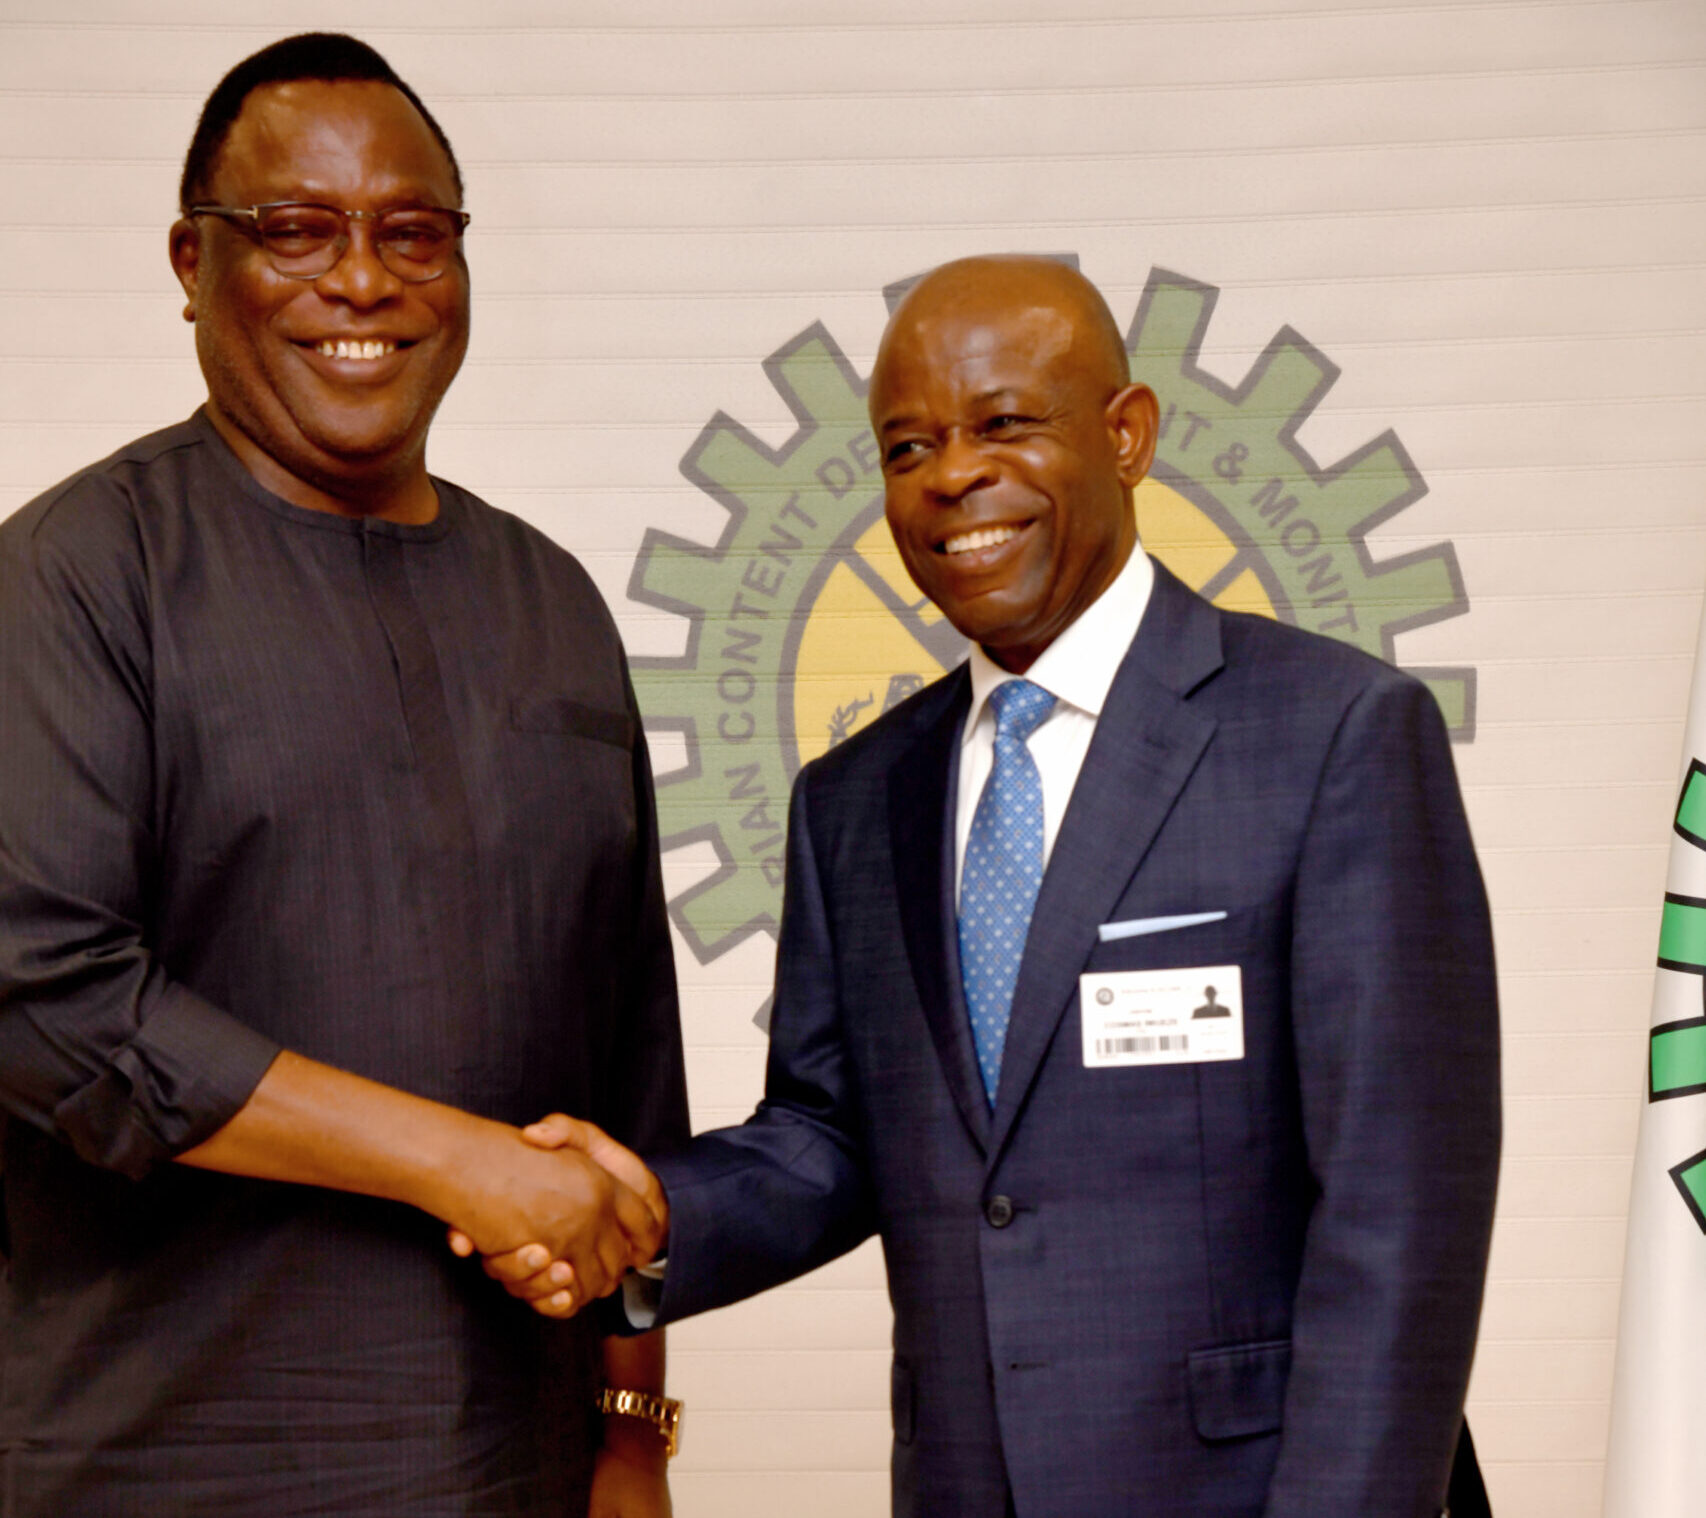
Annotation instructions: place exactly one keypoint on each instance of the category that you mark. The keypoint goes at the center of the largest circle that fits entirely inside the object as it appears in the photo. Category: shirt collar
(1078, 668)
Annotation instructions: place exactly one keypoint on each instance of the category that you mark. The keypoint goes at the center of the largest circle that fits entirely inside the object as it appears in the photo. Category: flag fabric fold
(1656, 1458)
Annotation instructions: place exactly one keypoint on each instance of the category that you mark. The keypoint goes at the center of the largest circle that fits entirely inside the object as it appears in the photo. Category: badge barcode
(1164, 1043)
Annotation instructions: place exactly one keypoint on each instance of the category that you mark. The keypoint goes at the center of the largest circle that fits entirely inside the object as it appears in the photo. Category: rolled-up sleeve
(98, 1045)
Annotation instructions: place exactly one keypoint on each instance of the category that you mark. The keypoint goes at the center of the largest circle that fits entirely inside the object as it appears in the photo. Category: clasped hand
(607, 1214)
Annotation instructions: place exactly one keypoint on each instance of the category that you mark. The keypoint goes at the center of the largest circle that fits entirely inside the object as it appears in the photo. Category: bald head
(1011, 437)
(1011, 289)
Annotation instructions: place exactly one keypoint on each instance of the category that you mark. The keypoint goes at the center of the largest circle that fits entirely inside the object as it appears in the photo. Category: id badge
(1162, 1017)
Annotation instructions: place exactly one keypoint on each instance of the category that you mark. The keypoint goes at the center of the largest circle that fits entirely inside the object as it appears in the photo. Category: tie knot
(1020, 708)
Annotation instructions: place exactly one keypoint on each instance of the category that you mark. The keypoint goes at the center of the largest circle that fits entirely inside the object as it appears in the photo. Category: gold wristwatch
(663, 1413)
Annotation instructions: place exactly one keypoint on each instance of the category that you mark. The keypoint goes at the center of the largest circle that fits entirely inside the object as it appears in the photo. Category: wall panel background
(1488, 216)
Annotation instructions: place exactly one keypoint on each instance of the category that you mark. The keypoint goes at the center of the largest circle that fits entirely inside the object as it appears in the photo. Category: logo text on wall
(804, 626)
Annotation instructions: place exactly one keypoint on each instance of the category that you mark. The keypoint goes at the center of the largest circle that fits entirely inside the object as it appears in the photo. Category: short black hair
(329, 56)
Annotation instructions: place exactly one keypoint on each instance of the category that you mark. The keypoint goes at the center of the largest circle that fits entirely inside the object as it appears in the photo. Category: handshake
(564, 1220)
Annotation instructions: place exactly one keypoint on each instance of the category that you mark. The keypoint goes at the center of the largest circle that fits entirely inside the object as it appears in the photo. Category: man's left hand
(630, 1476)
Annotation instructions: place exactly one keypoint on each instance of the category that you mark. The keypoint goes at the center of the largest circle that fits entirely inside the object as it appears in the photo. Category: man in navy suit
(1138, 1264)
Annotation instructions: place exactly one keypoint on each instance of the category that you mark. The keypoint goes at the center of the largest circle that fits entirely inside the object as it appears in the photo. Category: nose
(359, 276)
(959, 467)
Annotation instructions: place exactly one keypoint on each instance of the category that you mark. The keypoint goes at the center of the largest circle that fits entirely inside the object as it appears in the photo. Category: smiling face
(325, 387)
(1011, 440)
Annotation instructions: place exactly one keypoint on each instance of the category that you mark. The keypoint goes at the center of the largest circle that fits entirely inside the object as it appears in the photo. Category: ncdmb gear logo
(804, 626)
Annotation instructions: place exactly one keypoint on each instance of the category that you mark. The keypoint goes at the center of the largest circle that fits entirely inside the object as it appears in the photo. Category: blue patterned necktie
(1003, 868)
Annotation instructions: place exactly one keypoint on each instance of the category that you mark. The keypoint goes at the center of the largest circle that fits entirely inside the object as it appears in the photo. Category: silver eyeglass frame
(248, 219)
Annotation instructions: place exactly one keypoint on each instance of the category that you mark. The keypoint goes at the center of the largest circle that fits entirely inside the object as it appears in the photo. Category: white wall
(1490, 216)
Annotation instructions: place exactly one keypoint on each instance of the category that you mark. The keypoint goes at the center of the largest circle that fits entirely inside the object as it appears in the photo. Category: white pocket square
(1136, 927)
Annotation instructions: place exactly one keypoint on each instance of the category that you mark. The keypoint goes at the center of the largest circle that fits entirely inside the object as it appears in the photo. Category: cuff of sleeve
(642, 1290)
(188, 1071)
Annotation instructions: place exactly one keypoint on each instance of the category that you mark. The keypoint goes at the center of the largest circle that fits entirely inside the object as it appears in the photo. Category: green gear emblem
(803, 625)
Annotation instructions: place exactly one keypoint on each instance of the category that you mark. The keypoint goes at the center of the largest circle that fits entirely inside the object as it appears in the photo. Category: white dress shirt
(1077, 669)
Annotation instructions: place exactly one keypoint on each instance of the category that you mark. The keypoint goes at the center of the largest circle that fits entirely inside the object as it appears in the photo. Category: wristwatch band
(663, 1413)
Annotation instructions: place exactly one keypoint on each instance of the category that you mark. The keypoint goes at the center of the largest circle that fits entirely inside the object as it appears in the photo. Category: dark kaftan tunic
(378, 794)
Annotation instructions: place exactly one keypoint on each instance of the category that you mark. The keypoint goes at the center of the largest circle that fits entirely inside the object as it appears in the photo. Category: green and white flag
(1656, 1461)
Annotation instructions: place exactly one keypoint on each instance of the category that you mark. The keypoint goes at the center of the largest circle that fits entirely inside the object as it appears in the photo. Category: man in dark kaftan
(327, 857)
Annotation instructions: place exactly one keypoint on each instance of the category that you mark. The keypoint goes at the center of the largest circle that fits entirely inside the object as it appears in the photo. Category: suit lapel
(921, 834)
(1148, 741)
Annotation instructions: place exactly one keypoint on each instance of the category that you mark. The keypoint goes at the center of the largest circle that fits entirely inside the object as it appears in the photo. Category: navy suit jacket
(1234, 1289)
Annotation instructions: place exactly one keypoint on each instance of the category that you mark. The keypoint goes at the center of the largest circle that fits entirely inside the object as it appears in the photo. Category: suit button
(999, 1212)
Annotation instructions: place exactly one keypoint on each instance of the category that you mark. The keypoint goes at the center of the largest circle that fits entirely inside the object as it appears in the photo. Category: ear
(1133, 417)
(184, 247)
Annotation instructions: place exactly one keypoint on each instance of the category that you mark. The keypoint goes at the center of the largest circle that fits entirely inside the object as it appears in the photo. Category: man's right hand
(540, 1208)
(314, 1125)
(553, 1283)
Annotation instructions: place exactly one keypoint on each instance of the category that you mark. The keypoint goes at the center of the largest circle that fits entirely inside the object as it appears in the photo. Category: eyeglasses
(304, 241)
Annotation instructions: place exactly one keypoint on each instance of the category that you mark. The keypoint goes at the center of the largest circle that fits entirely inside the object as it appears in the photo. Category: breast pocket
(1208, 995)
(566, 773)
(1212, 935)
(563, 714)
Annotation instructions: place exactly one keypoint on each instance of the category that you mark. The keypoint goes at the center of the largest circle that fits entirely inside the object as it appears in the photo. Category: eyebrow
(397, 189)
(1005, 395)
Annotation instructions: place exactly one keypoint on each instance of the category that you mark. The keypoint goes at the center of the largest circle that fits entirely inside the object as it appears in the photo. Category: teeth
(984, 537)
(370, 348)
